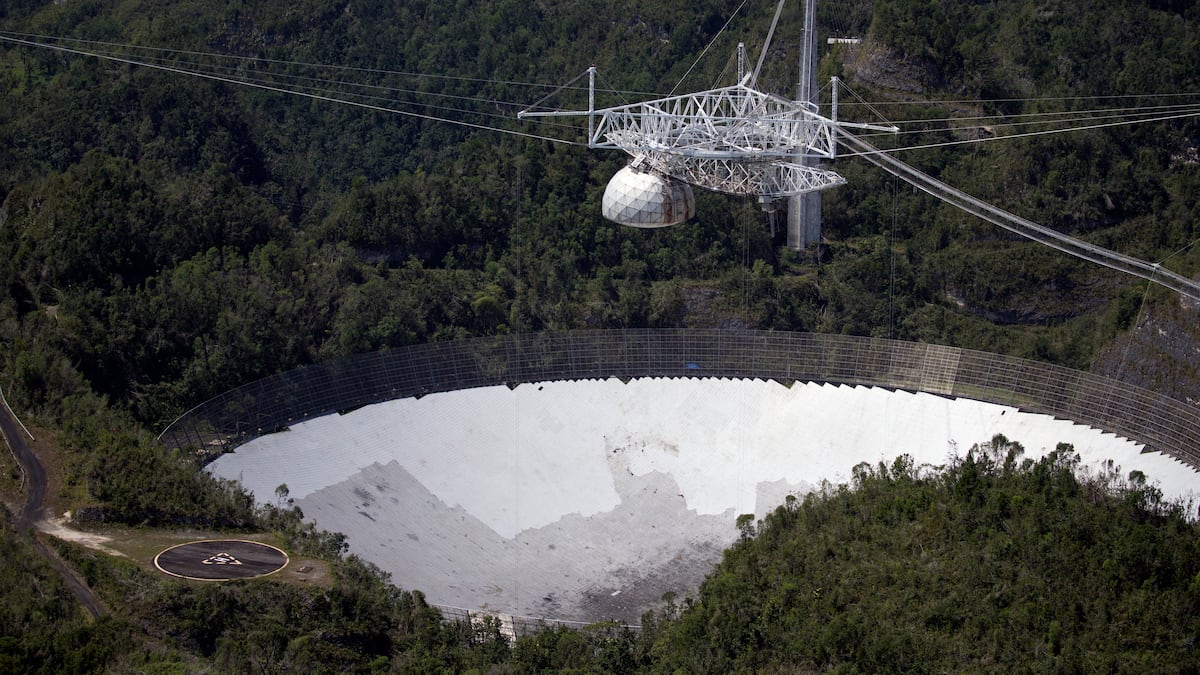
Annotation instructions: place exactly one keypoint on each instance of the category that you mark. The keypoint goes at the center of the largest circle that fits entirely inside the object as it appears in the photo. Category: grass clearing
(142, 545)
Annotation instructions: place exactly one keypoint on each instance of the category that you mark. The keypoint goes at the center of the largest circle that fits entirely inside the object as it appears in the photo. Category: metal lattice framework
(735, 121)
(1159, 422)
(737, 139)
(742, 141)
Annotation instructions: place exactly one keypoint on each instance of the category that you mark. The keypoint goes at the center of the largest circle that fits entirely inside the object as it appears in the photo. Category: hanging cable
(995, 130)
(543, 99)
(926, 146)
(1185, 248)
(1024, 119)
(1132, 333)
(858, 146)
(611, 90)
(706, 48)
(1026, 228)
(46, 41)
(285, 90)
(227, 74)
(874, 111)
(762, 56)
(1047, 99)
(892, 259)
(730, 64)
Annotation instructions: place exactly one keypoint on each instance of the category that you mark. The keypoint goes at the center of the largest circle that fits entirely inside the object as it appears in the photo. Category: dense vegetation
(167, 238)
(173, 237)
(994, 562)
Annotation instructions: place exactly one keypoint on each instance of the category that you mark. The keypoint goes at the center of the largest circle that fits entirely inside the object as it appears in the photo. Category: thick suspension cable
(934, 102)
(881, 158)
(1064, 116)
(1028, 134)
(279, 89)
(762, 55)
(161, 58)
(707, 47)
(98, 47)
(1080, 120)
(1014, 223)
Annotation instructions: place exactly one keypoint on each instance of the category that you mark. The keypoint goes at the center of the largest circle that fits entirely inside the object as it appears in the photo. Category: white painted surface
(589, 500)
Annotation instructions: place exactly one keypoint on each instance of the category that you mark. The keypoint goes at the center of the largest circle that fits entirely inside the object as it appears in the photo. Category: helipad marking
(221, 560)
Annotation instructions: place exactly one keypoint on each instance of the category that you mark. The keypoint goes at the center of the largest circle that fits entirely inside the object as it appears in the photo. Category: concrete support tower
(804, 210)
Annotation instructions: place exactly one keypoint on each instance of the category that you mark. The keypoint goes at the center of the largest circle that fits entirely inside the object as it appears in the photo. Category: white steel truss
(734, 122)
(740, 177)
(736, 139)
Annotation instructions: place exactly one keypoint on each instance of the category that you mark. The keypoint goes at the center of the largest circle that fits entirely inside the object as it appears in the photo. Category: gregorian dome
(647, 199)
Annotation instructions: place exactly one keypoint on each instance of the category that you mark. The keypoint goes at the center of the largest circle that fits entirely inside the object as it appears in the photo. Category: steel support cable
(1072, 116)
(355, 98)
(1050, 117)
(284, 90)
(40, 41)
(1191, 113)
(319, 84)
(706, 48)
(762, 56)
(268, 80)
(543, 99)
(48, 42)
(1091, 122)
(1026, 228)
(1011, 130)
(1042, 99)
(324, 86)
(331, 87)
(1027, 134)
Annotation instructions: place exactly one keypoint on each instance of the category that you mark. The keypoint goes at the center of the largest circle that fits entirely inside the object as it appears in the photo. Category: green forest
(165, 238)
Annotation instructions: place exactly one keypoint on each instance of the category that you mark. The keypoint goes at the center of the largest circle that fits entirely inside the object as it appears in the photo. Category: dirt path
(31, 513)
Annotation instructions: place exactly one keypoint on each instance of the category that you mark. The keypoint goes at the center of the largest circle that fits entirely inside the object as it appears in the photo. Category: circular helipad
(221, 560)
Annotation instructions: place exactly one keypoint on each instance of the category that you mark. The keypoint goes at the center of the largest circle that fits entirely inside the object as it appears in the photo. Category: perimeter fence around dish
(275, 403)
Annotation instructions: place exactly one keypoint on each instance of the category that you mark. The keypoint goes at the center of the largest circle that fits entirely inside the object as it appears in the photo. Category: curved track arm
(1014, 223)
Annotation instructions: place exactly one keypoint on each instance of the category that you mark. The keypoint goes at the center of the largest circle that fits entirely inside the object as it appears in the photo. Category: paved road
(35, 474)
(31, 513)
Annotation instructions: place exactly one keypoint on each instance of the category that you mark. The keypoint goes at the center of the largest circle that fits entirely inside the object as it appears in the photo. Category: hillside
(167, 238)
(996, 563)
(174, 237)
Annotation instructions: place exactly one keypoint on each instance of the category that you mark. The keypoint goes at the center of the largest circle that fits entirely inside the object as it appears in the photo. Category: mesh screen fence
(221, 424)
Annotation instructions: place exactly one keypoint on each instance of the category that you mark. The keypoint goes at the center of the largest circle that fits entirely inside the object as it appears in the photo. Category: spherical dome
(646, 199)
